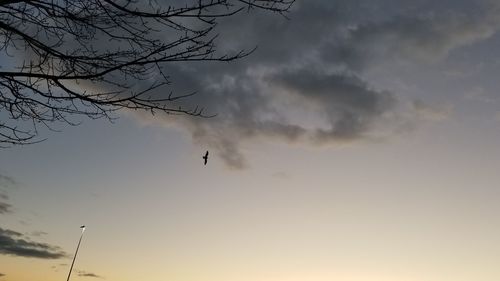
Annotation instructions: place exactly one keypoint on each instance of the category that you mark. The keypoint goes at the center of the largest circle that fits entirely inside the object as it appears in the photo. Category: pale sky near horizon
(358, 143)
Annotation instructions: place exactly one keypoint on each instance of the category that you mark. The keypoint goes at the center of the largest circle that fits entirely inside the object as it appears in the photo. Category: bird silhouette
(205, 157)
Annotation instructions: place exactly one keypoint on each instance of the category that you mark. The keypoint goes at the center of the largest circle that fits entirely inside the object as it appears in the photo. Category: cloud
(58, 267)
(2, 275)
(5, 207)
(307, 84)
(82, 273)
(303, 104)
(347, 102)
(13, 243)
(428, 36)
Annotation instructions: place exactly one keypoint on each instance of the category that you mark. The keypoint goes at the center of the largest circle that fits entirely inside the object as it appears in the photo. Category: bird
(205, 157)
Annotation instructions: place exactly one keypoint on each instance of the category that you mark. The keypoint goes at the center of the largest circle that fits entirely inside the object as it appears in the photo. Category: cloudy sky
(359, 142)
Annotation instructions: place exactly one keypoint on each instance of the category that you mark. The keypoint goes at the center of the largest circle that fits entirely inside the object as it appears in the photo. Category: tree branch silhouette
(65, 58)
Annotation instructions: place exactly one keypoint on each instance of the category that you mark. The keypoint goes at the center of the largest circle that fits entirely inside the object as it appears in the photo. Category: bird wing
(205, 157)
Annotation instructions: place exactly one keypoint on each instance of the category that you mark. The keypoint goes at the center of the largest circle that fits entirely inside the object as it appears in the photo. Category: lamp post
(76, 252)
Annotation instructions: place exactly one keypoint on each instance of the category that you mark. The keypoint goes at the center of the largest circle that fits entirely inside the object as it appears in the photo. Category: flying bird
(205, 157)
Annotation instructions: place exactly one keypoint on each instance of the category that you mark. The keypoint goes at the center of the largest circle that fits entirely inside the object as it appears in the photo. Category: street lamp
(76, 252)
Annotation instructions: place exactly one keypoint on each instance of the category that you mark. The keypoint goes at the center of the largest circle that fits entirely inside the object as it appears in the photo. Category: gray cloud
(82, 273)
(271, 103)
(306, 83)
(13, 243)
(347, 102)
(429, 36)
(5, 207)
(58, 267)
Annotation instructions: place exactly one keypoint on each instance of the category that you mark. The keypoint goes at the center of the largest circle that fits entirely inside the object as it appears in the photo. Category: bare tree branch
(85, 57)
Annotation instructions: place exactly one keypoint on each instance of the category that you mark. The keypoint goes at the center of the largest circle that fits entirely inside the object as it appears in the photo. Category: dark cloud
(346, 101)
(428, 36)
(82, 273)
(1, 274)
(15, 244)
(5, 208)
(306, 83)
(271, 103)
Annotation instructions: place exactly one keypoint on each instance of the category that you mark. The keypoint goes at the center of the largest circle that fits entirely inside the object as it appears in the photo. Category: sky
(359, 142)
